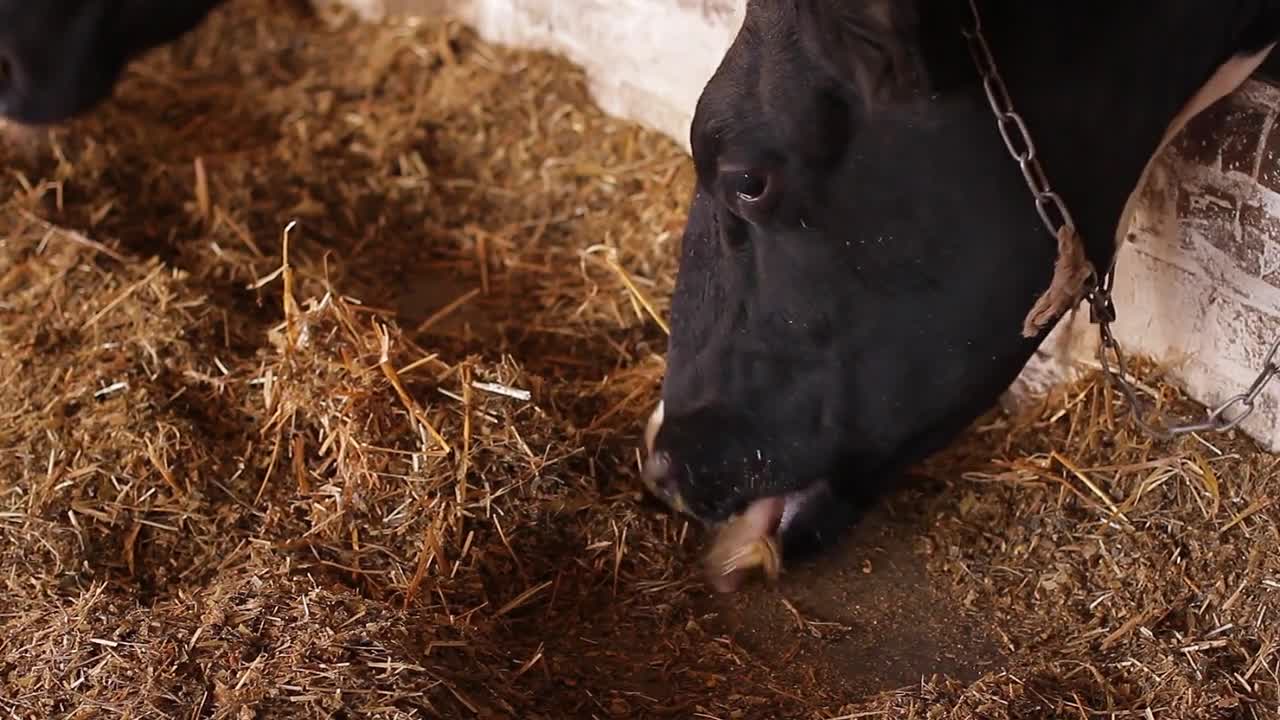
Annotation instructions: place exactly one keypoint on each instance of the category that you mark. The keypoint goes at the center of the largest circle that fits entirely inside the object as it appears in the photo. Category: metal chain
(1102, 312)
(1008, 121)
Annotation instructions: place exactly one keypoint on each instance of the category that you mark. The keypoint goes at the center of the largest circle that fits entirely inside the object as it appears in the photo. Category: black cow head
(60, 58)
(861, 251)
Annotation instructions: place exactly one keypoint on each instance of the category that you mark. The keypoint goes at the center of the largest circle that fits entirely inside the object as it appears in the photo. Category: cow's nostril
(659, 477)
(657, 474)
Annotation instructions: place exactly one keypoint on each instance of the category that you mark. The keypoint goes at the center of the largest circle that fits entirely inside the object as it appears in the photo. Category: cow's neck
(1225, 80)
(1102, 89)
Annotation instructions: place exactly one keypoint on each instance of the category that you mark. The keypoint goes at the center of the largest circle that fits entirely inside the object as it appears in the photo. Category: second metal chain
(1017, 139)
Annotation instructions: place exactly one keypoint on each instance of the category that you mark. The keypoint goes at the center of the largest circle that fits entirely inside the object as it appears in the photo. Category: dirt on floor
(325, 351)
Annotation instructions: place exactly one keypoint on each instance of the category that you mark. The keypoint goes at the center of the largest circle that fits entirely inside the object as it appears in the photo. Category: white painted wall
(1198, 282)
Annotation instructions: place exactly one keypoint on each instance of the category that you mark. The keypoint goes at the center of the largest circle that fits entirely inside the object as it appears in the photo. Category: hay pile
(326, 350)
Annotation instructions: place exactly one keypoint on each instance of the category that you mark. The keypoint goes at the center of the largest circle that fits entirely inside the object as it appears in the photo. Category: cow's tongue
(746, 542)
(751, 539)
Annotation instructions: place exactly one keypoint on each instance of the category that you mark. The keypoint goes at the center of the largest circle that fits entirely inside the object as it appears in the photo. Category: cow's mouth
(753, 539)
(747, 540)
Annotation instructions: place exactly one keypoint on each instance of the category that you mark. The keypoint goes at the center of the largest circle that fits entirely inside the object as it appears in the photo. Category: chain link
(1102, 312)
(1008, 121)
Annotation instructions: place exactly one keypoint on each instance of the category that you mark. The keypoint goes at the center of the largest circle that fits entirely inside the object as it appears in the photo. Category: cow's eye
(750, 186)
(6, 73)
(752, 193)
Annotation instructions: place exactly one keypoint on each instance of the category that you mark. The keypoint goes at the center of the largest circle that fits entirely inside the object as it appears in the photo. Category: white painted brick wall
(1198, 282)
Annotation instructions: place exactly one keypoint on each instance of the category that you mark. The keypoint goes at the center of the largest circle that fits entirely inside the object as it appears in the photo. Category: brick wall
(1198, 280)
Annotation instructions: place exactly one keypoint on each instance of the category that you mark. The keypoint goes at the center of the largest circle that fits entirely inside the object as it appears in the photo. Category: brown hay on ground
(393, 473)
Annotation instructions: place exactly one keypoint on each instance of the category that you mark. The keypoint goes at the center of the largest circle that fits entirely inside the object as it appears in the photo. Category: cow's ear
(871, 44)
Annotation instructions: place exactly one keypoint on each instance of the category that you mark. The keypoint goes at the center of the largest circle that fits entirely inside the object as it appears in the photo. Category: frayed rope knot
(1071, 272)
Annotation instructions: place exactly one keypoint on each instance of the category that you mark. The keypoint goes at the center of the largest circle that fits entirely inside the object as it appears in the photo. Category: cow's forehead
(763, 73)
